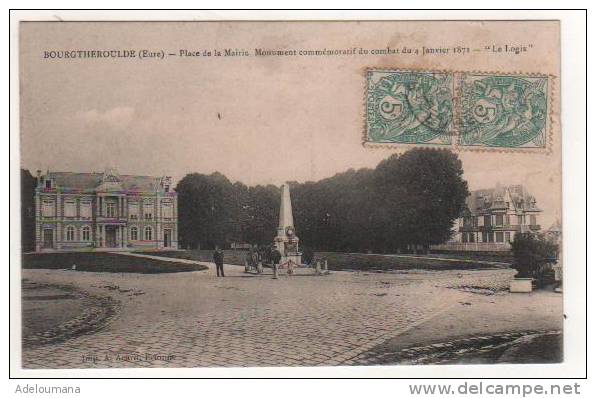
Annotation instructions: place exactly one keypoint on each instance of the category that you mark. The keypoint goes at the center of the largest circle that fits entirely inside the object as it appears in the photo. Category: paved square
(197, 320)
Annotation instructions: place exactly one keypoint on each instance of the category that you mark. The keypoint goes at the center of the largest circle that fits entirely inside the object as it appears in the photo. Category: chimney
(38, 176)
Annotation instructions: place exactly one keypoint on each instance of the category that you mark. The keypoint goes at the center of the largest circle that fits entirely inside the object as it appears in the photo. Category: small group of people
(255, 258)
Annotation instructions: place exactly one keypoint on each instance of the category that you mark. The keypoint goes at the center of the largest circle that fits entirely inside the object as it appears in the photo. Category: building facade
(492, 218)
(104, 211)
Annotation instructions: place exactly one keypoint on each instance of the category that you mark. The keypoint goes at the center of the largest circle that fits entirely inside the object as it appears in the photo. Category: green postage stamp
(458, 109)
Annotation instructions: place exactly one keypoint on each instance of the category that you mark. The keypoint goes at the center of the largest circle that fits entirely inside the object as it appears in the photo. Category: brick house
(104, 211)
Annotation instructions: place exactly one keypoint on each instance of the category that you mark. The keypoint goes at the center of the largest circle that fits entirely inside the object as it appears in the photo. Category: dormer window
(166, 182)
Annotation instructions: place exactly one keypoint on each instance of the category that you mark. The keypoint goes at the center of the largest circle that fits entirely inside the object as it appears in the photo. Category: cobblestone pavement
(195, 319)
(481, 349)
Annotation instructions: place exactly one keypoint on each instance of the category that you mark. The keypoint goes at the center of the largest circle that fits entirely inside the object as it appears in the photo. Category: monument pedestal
(287, 247)
(296, 258)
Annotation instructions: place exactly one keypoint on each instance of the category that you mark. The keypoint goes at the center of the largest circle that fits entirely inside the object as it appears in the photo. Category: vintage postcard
(232, 194)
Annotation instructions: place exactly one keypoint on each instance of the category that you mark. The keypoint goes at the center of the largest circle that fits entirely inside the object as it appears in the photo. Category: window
(507, 219)
(70, 209)
(85, 209)
(532, 219)
(48, 208)
(464, 238)
(167, 210)
(485, 237)
(148, 233)
(507, 236)
(499, 237)
(471, 239)
(487, 221)
(134, 233)
(70, 232)
(48, 184)
(86, 233)
(499, 219)
(111, 209)
(490, 237)
(148, 210)
(133, 210)
(520, 220)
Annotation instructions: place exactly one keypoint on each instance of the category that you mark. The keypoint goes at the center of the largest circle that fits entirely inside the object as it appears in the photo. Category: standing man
(275, 256)
(218, 259)
(275, 259)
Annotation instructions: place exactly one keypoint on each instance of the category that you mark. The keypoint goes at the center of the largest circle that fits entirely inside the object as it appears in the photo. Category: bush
(532, 254)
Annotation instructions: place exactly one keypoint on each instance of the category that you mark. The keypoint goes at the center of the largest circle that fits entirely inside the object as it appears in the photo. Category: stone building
(104, 211)
(492, 218)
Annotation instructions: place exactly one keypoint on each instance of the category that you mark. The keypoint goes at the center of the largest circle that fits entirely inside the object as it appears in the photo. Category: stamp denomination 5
(459, 109)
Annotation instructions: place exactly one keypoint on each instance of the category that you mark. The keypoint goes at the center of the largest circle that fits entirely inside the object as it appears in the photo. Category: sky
(257, 120)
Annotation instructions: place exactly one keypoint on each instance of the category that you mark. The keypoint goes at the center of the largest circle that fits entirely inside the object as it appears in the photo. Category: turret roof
(493, 198)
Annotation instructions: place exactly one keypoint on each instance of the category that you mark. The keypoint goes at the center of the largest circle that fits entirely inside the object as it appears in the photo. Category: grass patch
(504, 257)
(105, 262)
(373, 262)
(346, 261)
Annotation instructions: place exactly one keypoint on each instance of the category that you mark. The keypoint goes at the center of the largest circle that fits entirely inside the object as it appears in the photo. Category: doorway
(167, 238)
(110, 236)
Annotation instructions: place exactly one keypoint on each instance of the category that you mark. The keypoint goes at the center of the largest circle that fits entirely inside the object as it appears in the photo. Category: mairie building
(492, 218)
(104, 211)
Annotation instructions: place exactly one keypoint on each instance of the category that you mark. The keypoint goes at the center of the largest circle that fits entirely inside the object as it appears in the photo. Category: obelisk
(286, 240)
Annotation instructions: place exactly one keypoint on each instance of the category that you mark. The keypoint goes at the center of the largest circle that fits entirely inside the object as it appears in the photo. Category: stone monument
(286, 241)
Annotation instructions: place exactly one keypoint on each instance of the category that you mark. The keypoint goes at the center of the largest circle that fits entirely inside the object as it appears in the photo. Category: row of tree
(408, 199)
(28, 183)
